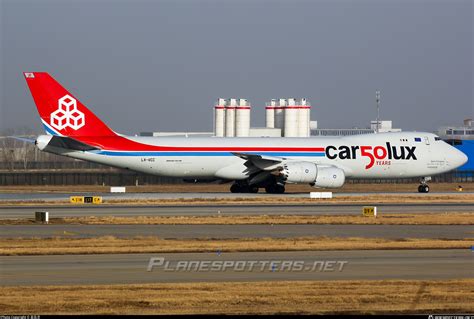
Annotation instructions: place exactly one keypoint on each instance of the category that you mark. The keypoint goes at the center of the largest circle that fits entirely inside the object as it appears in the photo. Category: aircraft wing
(262, 162)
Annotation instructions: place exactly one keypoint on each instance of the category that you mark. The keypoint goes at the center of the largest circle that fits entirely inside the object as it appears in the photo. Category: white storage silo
(270, 113)
(280, 115)
(303, 108)
(230, 118)
(291, 119)
(242, 118)
(308, 116)
(219, 118)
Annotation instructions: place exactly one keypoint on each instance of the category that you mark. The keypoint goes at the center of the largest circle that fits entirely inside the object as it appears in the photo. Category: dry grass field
(113, 245)
(451, 218)
(285, 297)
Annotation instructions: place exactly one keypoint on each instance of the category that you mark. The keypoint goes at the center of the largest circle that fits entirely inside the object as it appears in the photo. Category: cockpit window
(453, 142)
(437, 138)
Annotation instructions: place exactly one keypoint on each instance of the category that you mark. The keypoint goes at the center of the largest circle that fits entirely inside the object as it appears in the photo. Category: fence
(84, 177)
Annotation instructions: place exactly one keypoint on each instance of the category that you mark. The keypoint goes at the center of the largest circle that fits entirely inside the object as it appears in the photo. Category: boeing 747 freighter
(249, 163)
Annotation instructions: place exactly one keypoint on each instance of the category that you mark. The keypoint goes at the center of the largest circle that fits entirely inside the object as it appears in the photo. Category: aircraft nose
(461, 158)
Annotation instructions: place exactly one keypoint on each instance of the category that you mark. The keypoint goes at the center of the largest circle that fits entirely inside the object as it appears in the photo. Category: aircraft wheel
(423, 189)
(280, 189)
(270, 189)
(235, 188)
(253, 189)
(275, 189)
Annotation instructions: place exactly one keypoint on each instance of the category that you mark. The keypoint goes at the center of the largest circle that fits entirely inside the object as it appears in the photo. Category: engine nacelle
(329, 177)
(42, 141)
(299, 172)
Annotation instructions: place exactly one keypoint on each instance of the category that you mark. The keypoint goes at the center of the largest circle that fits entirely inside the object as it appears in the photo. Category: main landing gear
(424, 188)
(243, 188)
(270, 188)
(275, 189)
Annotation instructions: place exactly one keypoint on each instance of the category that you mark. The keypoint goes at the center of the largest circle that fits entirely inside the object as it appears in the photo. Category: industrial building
(284, 117)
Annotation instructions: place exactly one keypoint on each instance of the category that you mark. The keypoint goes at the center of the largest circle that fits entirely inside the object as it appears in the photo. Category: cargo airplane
(249, 163)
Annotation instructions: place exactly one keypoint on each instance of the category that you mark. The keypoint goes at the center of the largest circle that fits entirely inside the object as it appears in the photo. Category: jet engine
(329, 177)
(299, 172)
(306, 172)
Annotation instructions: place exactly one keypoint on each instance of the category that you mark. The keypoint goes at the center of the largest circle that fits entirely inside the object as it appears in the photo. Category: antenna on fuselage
(377, 100)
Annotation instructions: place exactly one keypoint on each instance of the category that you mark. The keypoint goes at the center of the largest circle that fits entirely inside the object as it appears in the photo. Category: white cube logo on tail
(67, 114)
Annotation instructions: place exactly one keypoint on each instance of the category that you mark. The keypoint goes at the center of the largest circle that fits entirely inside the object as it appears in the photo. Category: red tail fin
(60, 111)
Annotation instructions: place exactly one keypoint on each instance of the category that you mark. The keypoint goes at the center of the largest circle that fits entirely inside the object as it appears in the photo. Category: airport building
(464, 132)
(461, 137)
(384, 126)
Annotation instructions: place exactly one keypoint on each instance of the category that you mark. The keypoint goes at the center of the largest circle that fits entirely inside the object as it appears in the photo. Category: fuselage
(383, 155)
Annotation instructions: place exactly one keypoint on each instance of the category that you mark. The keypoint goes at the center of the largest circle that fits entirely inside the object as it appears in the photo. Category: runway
(239, 231)
(132, 268)
(317, 208)
(49, 196)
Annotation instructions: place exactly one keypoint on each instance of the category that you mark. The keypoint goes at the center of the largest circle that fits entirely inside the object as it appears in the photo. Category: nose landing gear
(424, 188)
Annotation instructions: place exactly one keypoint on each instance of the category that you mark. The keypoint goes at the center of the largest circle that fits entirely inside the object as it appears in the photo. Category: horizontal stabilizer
(23, 139)
(70, 144)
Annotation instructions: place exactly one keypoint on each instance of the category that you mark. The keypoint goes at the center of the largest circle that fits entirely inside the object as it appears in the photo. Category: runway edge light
(42, 217)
